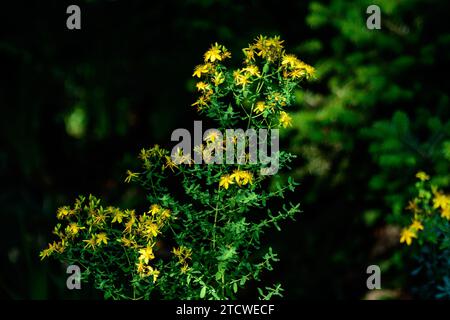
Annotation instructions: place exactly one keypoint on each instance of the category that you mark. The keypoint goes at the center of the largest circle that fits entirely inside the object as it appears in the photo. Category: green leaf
(235, 287)
(202, 292)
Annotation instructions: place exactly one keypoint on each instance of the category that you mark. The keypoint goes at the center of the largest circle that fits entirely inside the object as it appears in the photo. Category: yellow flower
(91, 242)
(275, 42)
(285, 119)
(249, 53)
(184, 268)
(154, 209)
(252, 70)
(140, 268)
(99, 217)
(441, 201)
(309, 70)
(46, 252)
(64, 212)
(269, 48)
(289, 60)
(165, 213)
(242, 177)
(422, 176)
(127, 242)
(101, 238)
(214, 53)
(412, 206)
(407, 235)
(445, 213)
(201, 69)
(151, 230)
(201, 86)
(225, 181)
(170, 164)
(144, 154)
(153, 272)
(260, 106)
(225, 53)
(201, 101)
(130, 176)
(129, 225)
(241, 79)
(118, 216)
(416, 225)
(73, 229)
(146, 254)
(212, 136)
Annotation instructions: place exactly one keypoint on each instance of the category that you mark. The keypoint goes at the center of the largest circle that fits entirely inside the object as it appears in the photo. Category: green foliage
(384, 113)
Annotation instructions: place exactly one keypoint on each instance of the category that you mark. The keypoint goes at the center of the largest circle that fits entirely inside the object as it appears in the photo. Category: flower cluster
(240, 177)
(184, 255)
(262, 86)
(92, 229)
(424, 208)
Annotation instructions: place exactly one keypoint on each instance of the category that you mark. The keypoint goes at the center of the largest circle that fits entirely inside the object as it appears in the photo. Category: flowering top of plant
(431, 215)
(205, 241)
(261, 88)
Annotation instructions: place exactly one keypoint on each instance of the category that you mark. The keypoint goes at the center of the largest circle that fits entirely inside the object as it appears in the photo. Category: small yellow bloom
(129, 225)
(153, 272)
(101, 238)
(184, 268)
(151, 230)
(91, 242)
(212, 136)
(201, 86)
(285, 119)
(407, 235)
(46, 252)
(170, 164)
(73, 229)
(242, 177)
(260, 106)
(214, 53)
(127, 242)
(249, 54)
(290, 60)
(154, 209)
(252, 70)
(441, 201)
(422, 176)
(445, 213)
(225, 181)
(201, 102)
(240, 78)
(64, 212)
(165, 213)
(146, 254)
(201, 69)
(118, 216)
(130, 176)
(140, 268)
(416, 225)
(412, 206)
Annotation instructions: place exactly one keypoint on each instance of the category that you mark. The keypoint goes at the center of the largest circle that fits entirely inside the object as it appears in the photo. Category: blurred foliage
(77, 106)
(383, 113)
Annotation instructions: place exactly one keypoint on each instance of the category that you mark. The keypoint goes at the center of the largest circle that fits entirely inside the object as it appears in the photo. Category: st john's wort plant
(214, 228)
